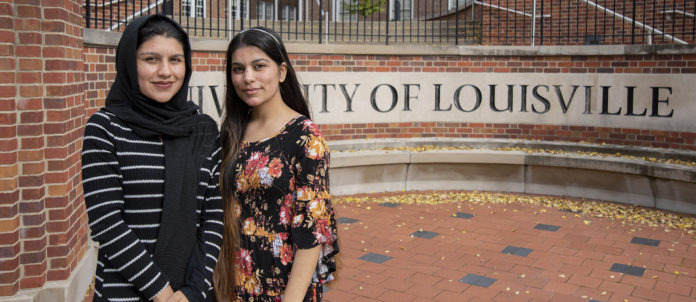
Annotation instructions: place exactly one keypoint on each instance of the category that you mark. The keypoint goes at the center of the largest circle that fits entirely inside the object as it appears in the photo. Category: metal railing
(453, 22)
(313, 21)
(588, 22)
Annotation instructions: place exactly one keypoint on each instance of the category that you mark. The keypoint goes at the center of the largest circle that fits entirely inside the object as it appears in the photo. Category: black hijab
(188, 139)
(147, 117)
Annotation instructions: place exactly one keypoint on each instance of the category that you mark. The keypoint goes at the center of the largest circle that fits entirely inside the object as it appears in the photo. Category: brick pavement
(506, 252)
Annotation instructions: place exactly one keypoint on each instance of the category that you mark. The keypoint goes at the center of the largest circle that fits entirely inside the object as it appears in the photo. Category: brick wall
(10, 246)
(640, 64)
(43, 223)
(99, 73)
(599, 135)
(208, 61)
(646, 64)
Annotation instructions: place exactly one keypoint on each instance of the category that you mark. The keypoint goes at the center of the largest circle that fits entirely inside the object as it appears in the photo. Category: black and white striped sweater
(123, 180)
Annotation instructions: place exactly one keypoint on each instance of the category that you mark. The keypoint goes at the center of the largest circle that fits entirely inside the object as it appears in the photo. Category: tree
(365, 7)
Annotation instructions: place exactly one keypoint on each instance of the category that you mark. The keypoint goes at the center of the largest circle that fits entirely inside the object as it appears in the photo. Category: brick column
(31, 144)
(43, 227)
(64, 85)
(9, 166)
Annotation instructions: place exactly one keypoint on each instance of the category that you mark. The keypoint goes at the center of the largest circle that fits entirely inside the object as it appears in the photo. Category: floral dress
(284, 205)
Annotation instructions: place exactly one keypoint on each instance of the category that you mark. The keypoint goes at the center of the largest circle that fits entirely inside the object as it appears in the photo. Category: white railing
(640, 24)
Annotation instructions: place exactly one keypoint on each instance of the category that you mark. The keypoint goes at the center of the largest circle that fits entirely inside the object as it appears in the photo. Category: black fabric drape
(178, 237)
(147, 117)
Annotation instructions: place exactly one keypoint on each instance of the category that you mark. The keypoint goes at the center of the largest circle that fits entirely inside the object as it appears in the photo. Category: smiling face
(256, 77)
(161, 68)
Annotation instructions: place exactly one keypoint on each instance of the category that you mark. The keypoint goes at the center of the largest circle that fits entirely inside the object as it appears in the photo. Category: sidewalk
(457, 250)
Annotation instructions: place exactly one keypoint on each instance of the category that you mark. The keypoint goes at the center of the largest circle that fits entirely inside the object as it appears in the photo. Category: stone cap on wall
(652, 177)
(493, 143)
(613, 158)
(100, 38)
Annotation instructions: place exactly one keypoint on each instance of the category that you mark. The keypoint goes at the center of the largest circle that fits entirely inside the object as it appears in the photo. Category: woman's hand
(164, 294)
(303, 267)
(177, 297)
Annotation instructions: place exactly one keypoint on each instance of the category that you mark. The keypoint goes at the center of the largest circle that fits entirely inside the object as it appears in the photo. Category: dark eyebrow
(252, 62)
(158, 54)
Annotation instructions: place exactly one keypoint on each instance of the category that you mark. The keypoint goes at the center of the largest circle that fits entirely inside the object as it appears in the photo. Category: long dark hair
(234, 123)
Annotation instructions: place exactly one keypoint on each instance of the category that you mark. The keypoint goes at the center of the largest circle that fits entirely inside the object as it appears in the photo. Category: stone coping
(605, 157)
(101, 38)
(602, 172)
(478, 156)
(492, 143)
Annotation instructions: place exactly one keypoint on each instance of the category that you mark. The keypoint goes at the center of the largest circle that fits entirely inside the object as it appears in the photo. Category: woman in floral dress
(280, 239)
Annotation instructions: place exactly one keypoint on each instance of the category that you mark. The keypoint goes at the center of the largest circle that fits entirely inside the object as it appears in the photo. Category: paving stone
(464, 215)
(645, 241)
(424, 234)
(421, 261)
(478, 280)
(389, 204)
(547, 227)
(627, 269)
(517, 251)
(346, 220)
(375, 258)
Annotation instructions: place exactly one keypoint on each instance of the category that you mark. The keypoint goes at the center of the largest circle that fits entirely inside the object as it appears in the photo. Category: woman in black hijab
(150, 174)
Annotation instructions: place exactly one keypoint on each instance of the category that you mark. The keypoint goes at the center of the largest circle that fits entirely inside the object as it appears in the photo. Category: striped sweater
(123, 180)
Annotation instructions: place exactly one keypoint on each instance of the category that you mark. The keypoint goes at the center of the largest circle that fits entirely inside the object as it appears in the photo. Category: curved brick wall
(619, 136)
(99, 72)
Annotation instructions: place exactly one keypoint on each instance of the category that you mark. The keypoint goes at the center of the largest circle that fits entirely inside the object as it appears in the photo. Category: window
(342, 11)
(400, 10)
(264, 10)
(237, 6)
(288, 12)
(452, 4)
(186, 7)
(193, 8)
